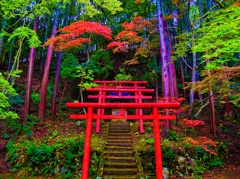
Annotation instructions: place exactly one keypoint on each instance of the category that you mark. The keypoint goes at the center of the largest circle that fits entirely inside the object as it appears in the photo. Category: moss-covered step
(120, 171)
(126, 159)
(118, 153)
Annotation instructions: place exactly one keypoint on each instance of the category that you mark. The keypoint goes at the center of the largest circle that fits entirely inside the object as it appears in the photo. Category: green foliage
(219, 37)
(35, 158)
(182, 155)
(6, 89)
(24, 32)
(122, 75)
(101, 64)
(35, 97)
(68, 66)
(59, 156)
(87, 76)
(111, 6)
(16, 101)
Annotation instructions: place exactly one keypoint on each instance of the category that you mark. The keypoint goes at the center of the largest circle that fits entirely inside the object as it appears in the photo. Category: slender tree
(43, 93)
(164, 60)
(53, 110)
(29, 78)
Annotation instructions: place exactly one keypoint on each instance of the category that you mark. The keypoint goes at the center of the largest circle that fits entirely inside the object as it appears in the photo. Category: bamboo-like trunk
(53, 111)
(172, 70)
(44, 40)
(164, 60)
(43, 94)
(29, 78)
(212, 108)
(193, 74)
(183, 80)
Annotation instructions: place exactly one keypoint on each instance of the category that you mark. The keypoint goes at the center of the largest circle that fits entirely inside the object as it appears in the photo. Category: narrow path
(119, 157)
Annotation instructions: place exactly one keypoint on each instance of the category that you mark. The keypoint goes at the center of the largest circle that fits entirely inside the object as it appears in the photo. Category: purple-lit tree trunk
(183, 80)
(53, 110)
(193, 74)
(43, 92)
(172, 70)
(29, 78)
(164, 59)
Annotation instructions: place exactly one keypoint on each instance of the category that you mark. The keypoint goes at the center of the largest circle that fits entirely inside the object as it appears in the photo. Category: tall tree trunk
(164, 60)
(1, 37)
(198, 79)
(183, 80)
(227, 105)
(44, 40)
(193, 78)
(212, 107)
(10, 55)
(228, 111)
(53, 111)
(29, 78)
(172, 70)
(43, 93)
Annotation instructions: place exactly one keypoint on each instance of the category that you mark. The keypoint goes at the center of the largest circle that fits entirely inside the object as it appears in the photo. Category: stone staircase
(119, 157)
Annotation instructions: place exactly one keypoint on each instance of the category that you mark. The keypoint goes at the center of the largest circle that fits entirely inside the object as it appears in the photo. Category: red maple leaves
(131, 34)
(117, 46)
(75, 35)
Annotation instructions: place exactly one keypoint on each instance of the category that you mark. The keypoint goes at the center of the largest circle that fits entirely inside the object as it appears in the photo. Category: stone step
(120, 177)
(118, 153)
(126, 159)
(117, 144)
(120, 171)
(119, 141)
(118, 147)
(120, 165)
(118, 134)
(118, 130)
(120, 137)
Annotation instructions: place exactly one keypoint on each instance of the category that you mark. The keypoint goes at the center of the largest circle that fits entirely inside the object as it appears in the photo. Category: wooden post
(87, 144)
(157, 144)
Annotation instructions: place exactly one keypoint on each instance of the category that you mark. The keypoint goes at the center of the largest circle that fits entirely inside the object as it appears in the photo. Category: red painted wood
(87, 144)
(120, 82)
(122, 97)
(120, 90)
(122, 87)
(129, 117)
(169, 105)
(138, 105)
(157, 144)
(141, 127)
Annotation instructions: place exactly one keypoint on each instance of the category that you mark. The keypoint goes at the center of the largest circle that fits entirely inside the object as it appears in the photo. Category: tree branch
(219, 3)
(201, 108)
(186, 63)
(206, 14)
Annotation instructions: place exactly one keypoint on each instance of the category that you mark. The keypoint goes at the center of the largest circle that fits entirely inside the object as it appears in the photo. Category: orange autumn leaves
(76, 34)
(131, 34)
(206, 143)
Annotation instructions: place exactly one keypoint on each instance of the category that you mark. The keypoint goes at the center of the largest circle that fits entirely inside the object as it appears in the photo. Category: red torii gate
(137, 96)
(154, 116)
(111, 86)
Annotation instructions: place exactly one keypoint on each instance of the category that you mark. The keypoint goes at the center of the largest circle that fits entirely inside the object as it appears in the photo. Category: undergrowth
(183, 155)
